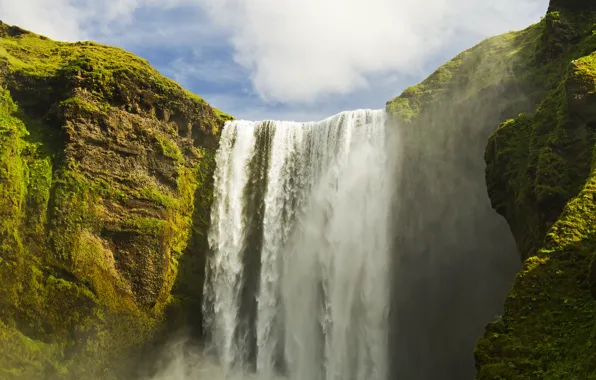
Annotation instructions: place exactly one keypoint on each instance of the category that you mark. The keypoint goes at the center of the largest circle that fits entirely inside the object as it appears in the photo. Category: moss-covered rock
(498, 65)
(102, 162)
(456, 255)
(539, 85)
(541, 178)
(573, 5)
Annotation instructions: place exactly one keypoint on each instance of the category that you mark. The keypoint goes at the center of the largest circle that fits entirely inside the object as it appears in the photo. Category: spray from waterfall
(298, 280)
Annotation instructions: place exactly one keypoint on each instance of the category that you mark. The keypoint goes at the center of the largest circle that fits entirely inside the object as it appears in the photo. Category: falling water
(298, 281)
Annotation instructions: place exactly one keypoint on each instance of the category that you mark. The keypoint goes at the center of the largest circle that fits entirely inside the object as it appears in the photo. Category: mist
(455, 258)
(452, 258)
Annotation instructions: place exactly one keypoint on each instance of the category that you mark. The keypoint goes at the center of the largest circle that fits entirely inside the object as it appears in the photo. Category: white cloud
(248, 106)
(56, 18)
(295, 51)
(72, 20)
(298, 51)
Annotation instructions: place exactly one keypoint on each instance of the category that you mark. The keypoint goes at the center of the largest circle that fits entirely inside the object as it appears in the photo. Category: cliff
(105, 185)
(457, 257)
(105, 188)
(533, 93)
(540, 177)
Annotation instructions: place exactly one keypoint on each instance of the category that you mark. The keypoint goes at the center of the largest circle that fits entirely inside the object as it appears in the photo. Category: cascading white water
(297, 284)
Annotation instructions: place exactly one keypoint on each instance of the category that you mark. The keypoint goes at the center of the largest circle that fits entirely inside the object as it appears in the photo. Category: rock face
(573, 5)
(457, 257)
(539, 85)
(105, 183)
(540, 177)
(105, 188)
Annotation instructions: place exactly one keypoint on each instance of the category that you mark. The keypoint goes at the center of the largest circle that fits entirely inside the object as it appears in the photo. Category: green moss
(491, 63)
(109, 74)
(169, 148)
(539, 87)
(535, 165)
(541, 177)
(149, 226)
(79, 106)
(26, 358)
(549, 324)
(154, 195)
(185, 308)
(100, 167)
(12, 175)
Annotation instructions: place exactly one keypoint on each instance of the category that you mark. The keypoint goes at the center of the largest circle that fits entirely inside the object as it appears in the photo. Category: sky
(281, 59)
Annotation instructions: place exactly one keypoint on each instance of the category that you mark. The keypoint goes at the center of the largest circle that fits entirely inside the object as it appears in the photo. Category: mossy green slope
(452, 233)
(105, 170)
(541, 177)
(539, 85)
(500, 62)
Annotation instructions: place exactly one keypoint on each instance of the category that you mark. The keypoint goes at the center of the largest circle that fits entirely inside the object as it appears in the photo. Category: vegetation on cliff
(539, 84)
(540, 176)
(105, 170)
(452, 235)
(498, 63)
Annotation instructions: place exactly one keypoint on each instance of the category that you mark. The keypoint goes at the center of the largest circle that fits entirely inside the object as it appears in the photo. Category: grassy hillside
(540, 176)
(539, 85)
(456, 255)
(105, 183)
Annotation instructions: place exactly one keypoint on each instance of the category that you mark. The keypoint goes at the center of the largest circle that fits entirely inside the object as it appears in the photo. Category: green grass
(107, 73)
(540, 175)
(495, 60)
(101, 161)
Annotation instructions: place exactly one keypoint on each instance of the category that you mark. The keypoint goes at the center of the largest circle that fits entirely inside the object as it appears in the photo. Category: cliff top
(23, 53)
(105, 187)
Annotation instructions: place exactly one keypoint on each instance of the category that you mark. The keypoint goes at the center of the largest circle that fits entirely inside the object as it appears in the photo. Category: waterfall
(297, 283)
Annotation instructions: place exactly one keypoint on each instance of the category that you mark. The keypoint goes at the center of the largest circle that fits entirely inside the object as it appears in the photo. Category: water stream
(298, 280)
